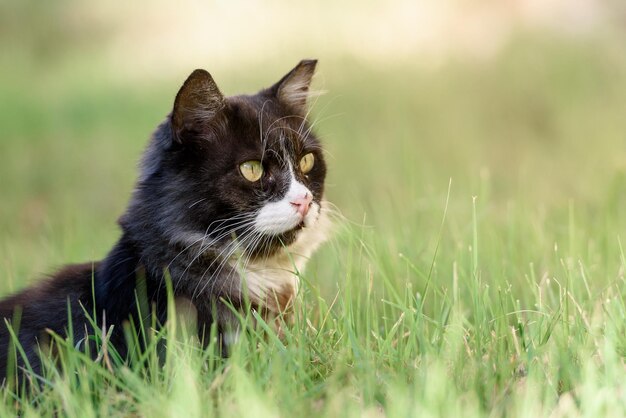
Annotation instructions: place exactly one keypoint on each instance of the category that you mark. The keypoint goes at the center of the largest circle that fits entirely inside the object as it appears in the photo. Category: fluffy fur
(193, 216)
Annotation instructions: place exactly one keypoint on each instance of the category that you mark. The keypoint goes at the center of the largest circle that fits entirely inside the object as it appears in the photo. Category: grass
(479, 271)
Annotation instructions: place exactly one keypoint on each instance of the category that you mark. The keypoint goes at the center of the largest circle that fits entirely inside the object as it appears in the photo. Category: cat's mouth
(287, 237)
(284, 232)
(283, 219)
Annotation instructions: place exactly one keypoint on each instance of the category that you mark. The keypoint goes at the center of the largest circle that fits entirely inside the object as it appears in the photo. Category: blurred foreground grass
(513, 306)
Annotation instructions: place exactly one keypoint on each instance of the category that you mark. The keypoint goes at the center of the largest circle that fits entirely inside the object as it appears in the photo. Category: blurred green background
(514, 305)
(520, 103)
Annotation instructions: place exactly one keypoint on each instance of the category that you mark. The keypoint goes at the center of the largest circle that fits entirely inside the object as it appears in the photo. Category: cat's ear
(293, 89)
(198, 101)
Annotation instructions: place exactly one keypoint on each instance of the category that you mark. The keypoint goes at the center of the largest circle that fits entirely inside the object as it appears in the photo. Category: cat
(228, 205)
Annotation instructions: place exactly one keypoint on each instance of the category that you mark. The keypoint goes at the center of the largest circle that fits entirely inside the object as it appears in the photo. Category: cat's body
(228, 204)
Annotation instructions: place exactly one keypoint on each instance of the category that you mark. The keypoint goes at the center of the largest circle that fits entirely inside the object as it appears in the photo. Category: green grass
(478, 272)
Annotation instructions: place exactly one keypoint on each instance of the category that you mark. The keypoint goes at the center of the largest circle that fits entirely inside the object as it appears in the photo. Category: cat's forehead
(262, 110)
(262, 120)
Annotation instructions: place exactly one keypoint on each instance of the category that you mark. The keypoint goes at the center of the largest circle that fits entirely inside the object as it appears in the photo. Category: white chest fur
(273, 282)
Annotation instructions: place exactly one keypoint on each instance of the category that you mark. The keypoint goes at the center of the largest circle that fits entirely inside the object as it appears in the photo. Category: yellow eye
(251, 170)
(307, 162)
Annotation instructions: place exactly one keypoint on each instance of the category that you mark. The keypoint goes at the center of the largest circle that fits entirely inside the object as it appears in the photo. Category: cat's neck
(202, 273)
(156, 261)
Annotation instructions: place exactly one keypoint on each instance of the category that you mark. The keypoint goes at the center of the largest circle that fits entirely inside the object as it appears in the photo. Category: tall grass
(479, 270)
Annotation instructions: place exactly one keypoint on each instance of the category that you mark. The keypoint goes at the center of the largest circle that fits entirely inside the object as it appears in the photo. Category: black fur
(189, 186)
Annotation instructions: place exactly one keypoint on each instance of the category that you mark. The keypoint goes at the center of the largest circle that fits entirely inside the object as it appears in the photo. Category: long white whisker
(204, 248)
(203, 237)
(229, 251)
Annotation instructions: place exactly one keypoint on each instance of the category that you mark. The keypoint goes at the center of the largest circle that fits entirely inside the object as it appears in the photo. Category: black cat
(228, 205)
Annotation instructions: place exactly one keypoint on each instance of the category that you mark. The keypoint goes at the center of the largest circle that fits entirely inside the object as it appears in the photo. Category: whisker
(229, 251)
(203, 238)
(204, 248)
(195, 203)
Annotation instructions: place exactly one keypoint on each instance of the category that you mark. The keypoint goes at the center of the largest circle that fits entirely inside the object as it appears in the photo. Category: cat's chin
(274, 243)
(301, 240)
(290, 236)
(285, 239)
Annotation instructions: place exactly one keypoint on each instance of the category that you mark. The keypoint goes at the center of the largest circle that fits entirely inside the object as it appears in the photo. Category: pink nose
(302, 204)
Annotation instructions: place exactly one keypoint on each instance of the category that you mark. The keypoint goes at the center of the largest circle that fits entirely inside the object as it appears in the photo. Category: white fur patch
(262, 277)
(281, 216)
(231, 337)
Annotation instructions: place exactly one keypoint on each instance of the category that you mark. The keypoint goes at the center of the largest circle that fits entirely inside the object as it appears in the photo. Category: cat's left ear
(293, 89)
(197, 103)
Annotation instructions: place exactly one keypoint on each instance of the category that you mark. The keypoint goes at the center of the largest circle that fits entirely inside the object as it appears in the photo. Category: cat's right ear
(293, 89)
(197, 103)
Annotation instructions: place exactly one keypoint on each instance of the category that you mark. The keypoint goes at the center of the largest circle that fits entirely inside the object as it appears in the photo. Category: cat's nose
(302, 204)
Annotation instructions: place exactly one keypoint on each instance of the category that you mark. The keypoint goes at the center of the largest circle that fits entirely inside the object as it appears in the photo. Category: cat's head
(245, 168)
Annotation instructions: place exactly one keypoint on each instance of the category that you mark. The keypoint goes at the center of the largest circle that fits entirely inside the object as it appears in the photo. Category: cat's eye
(251, 170)
(306, 163)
